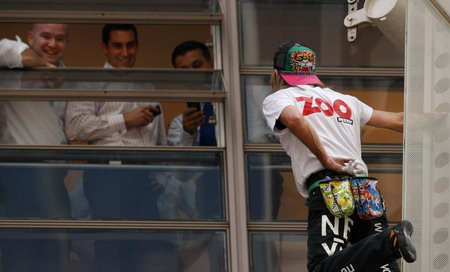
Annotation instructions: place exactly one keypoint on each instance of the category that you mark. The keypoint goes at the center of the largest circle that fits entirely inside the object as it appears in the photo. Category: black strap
(319, 175)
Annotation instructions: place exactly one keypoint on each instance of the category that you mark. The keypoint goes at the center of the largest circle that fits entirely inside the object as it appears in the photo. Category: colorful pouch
(338, 197)
(368, 199)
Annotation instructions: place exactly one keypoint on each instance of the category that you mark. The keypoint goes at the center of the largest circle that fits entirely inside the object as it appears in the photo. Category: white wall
(426, 157)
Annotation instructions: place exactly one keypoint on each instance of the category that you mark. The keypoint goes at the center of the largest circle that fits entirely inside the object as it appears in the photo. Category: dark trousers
(34, 193)
(328, 237)
(128, 195)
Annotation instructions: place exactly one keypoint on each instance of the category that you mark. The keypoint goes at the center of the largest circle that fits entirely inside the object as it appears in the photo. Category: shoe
(400, 238)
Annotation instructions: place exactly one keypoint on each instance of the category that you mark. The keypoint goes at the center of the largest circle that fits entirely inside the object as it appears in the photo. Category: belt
(313, 181)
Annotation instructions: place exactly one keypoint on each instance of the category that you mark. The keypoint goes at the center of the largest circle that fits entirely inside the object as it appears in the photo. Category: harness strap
(315, 185)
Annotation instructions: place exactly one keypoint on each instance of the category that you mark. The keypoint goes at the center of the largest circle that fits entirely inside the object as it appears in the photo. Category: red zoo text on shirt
(318, 105)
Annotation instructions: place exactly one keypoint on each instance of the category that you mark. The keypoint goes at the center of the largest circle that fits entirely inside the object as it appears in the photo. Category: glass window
(73, 79)
(156, 42)
(98, 123)
(381, 93)
(278, 251)
(387, 167)
(112, 185)
(112, 250)
(318, 25)
(273, 194)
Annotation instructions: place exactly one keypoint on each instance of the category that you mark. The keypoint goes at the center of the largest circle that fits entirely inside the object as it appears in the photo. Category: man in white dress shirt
(33, 192)
(188, 129)
(119, 193)
(32, 122)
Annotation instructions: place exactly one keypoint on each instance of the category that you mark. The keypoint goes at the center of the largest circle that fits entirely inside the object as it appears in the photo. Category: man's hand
(140, 116)
(192, 119)
(336, 164)
(31, 59)
(343, 165)
(353, 168)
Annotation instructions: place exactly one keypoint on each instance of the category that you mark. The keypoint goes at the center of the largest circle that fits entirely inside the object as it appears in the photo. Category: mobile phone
(156, 111)
(194, 105)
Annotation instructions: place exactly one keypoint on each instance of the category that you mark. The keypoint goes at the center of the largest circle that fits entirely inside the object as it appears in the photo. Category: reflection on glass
(273, 194)
(111, 185)
(191, 6)
(256, 89)
(32, 122)
(278, 251)
(97, 123)
(388, 169)
(112, 251)
(317, 24)
(381, 93)
(112, 79)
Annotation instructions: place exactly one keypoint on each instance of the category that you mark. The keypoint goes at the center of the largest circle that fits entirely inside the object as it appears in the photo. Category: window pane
(317, 24)
(381, 93)
(255, 90)
(112, 185)
(197, 6)
(112, 80)
(94, 123)
(278, 251)
(112, 251)
(156, 42)
(388, 169)
(273, 193)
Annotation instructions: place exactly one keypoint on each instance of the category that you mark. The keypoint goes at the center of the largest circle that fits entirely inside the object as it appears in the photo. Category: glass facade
(113, 250)
(277, 251)
(112, 185)
(149, 80)
(234, 206)
(371, 69)
(316, 24)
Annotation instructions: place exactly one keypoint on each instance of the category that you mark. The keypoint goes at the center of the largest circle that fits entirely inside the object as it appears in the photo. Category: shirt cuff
(21, 46)
(187, 139)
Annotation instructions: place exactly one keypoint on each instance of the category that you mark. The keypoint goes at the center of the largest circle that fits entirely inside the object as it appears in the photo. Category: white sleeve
(273, 105)
(366, 114)
(365, 111)
(83, 124)
(177, 136)
(11, 53)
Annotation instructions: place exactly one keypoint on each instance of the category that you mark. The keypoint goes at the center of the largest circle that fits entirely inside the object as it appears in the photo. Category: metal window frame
(441, 10)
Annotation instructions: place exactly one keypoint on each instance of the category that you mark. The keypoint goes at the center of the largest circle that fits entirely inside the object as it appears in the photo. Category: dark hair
(188, 46)
(106, 33)
(279, 58)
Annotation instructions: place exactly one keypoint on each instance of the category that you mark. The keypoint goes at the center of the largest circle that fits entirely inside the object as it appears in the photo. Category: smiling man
(121, 193)
(49, 41)
(45, 48)
(120, 45)
(34, 192)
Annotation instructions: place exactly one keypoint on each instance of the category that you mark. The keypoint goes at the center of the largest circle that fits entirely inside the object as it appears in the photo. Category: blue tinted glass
(112, 251)
(111, 185)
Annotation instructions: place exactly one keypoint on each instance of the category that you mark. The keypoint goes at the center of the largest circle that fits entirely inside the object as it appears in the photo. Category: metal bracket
(354, 19)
